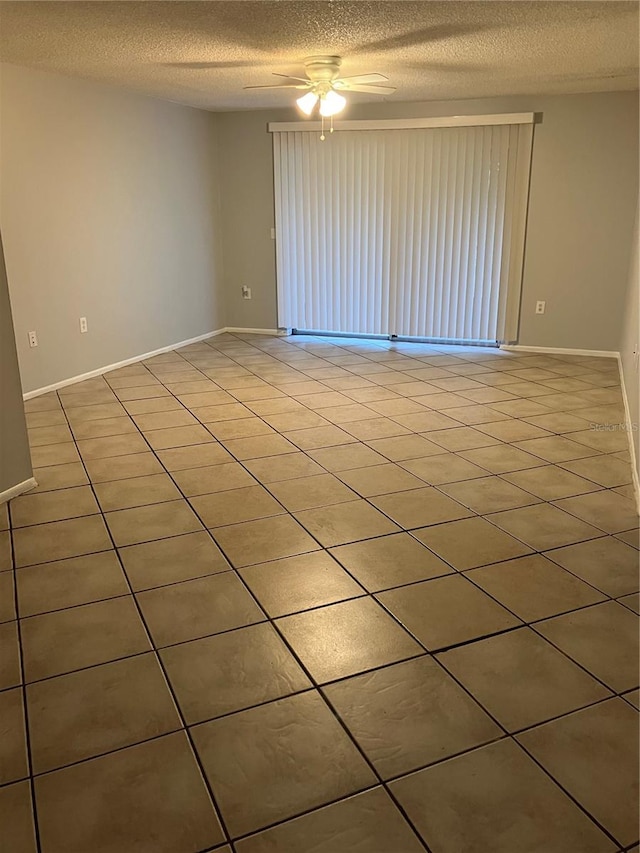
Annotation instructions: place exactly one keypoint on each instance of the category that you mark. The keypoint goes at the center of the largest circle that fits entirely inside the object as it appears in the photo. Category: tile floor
(291, 595)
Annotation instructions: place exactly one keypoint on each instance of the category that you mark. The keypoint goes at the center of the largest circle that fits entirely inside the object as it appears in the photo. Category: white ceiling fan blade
(363, 78)
(371, 90)
(280, 86)
(289, 77)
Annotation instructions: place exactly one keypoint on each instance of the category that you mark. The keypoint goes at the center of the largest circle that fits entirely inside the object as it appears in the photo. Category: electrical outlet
(540, 307)
(83, 325)
(246, 292)
(33, 339)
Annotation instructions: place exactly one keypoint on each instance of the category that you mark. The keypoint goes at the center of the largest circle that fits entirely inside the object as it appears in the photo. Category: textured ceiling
(203, 53)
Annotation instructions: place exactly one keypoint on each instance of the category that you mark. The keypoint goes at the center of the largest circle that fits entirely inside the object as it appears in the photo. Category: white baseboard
(628, 420)
(18, 489)
(238, 330)
(107, 368)
(598, 353)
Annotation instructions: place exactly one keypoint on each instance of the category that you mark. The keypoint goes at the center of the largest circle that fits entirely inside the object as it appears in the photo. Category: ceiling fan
(323, 85)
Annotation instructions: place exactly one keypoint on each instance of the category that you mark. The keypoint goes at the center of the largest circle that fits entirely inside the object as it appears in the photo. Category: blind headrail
(405, 123)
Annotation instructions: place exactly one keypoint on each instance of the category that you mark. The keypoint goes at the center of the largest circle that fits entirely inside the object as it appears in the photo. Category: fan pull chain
(331, 128)
(322, 136)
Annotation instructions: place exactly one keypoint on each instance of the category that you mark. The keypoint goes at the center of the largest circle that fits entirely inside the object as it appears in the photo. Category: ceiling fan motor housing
(322, 69)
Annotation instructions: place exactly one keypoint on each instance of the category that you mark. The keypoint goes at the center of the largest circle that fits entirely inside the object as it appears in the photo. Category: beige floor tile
(544, 526)
(164, 420)
(262, 540)
(43, 403)
(194, 456)
(59, 539)
(606, 563)
(67, 583)
(604, 509)
(103, 428)
(311, 492)
(501, 458)
(470, 542)
(374, 428)
(443, 468)
(314, 761)
(114, 445)
(142, 392)
(228, 672)
(219, 414)
(556, 448)
(57, 434)
(54, 454)
(112, 801)
(396, 406)
(488, 494)
(48, 418)
(145, 523)
(166, 561)
(512, 430)
(42, 507)
(419, 507)
(10, 675)
(13, 748)
(409, 715)
(7, 597)
(472, 415)
(521, 679)
(631, 537)
(605, 470)
(600, 743)
(534, 588)
(446, 611)
(302, 419)
(138, 491)
(97, 710)
(369, 821)
(380, 479)
(196, 608)
(78, 637)
(505, 802)
(559, 422)
(462, 438)
(182, 436)
(96, 412)
(346, 638)
(550, 482)
(154, 404)
(258, 446)
(6, 561)
(242, 428)
(345, 522)
(390, 561)
(602, 440)
(123, 467)
(200, 399)
(633, 697)
(346, 457)
(16, 818)
(213, 478)
(400, 448)
(603, 639)
(235, 506)
(289, 466)
(299, 583)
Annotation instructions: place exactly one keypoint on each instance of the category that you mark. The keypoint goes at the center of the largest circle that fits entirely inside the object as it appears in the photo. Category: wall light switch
(246, 292)
(83, 325)
(540, 307)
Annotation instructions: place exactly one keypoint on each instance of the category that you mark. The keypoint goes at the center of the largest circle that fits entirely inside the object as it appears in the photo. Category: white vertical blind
(413, 232)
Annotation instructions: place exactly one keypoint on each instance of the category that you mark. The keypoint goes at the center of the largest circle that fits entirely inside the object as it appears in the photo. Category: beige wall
(630, 342)
(15, 461)
(110, 206)
(582, 202)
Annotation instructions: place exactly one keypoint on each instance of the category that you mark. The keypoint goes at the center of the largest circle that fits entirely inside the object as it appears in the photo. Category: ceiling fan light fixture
(307, 103)
(332, 103)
